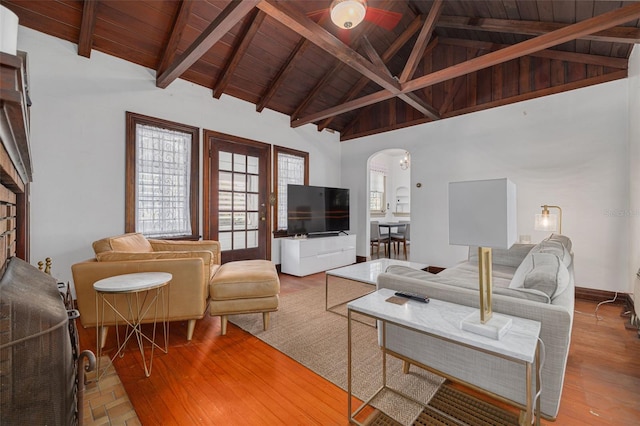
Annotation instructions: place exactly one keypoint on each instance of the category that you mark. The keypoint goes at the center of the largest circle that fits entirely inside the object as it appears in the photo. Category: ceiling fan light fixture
(347, 14)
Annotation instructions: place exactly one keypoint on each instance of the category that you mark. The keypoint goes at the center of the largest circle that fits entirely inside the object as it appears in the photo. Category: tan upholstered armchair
(192, 264)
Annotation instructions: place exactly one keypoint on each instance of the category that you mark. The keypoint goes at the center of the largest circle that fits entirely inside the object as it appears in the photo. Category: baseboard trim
(601, 295)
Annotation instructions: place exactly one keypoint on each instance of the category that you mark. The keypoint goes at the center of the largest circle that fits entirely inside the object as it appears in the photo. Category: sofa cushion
(565, 241)
(543, 272)
(555, 247)
(511, 257)
(132, 243)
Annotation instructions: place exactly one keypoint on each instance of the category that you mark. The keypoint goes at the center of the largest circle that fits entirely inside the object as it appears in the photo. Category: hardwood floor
(239, 380)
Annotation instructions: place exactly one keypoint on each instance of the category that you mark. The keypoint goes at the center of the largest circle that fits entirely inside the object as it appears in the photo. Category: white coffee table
(365, 272)
(141, 292)
(440, 319)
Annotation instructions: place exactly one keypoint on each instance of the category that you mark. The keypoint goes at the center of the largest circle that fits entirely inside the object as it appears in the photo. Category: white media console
(306, 256)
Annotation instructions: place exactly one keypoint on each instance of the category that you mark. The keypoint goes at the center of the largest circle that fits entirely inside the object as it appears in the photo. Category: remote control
(412, 296)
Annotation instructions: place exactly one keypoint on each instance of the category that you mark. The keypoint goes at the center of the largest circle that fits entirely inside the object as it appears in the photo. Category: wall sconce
(347, 14)
(405, 161)
(549, 222)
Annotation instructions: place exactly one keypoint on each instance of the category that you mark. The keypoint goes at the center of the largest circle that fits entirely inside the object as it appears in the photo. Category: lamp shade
(8, 31)
(546, 222)
(483, 213)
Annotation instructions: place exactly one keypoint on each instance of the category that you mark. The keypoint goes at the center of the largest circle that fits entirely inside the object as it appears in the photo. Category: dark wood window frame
(133, 119)
(276, 151)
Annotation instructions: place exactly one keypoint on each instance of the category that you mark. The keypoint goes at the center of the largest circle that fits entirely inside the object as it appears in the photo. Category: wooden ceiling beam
(588, 26)
(400, 41)
(222, 24)
(87, 26)
(560, 55)
(298, 22)
(421, 43)
(250, 30)
(179, 24)
(535, 28)
(410, 98)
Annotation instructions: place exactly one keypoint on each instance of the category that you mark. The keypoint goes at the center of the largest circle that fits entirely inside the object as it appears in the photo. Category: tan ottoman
(244, 286)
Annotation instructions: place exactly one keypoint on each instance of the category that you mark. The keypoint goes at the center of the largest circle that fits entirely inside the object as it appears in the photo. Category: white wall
(634, 169)
(78, 141)
(569, 149)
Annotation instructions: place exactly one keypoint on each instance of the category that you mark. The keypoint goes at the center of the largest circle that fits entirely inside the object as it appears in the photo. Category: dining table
(389, 226)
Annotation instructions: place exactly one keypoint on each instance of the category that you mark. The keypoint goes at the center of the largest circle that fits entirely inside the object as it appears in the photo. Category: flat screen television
(317, 210)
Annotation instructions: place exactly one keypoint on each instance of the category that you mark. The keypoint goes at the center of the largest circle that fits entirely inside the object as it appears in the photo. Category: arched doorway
(389, 188)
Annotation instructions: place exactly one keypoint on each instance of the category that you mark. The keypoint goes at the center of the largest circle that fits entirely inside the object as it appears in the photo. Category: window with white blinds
(291, 168)
(162, 179)
(377, 192)
(163, 190)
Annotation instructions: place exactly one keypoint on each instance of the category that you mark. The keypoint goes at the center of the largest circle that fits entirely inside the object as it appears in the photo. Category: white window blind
(377, 190)
(290, 171)
(162, 182)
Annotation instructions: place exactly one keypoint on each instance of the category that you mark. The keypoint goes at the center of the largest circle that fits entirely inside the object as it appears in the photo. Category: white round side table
(141, 292)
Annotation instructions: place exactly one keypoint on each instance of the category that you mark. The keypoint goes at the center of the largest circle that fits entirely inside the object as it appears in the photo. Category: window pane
(252, 201)
(224, 162)
(225, 240)
(239, 220)
(163, 172)
(224, 222)
(252, 183)
(239, 240)
(224, 181)
(224, 201)
(239, 163)
(252, 239)
(239, 201)
(252, 165)
(239, 182)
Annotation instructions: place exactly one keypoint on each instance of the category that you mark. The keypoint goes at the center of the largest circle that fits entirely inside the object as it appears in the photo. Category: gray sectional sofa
(529, 281)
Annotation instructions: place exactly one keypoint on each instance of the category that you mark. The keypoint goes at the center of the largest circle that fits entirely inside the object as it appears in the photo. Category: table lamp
(549, 222)
(483, 213)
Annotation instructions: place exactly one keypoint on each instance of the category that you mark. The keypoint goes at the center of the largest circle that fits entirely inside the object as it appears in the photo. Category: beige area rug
(303, 330)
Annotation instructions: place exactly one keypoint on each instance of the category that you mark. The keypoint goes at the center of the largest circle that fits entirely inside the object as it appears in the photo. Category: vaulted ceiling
(422, 61)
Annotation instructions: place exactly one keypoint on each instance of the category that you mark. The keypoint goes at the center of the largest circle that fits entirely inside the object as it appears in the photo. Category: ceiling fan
(347, 14)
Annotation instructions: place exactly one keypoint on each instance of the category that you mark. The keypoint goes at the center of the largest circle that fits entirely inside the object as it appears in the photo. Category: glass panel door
(238, 191)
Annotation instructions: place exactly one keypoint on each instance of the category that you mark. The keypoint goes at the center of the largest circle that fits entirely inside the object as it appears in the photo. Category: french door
(236, 187)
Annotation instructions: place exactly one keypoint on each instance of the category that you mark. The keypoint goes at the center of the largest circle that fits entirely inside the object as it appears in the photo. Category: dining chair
(401, 237)
(376, 239)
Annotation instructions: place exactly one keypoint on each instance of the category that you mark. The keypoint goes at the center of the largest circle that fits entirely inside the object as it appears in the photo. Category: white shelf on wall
(403, 201)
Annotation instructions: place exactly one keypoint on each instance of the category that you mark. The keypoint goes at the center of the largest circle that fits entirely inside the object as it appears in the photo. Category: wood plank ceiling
(443, 58)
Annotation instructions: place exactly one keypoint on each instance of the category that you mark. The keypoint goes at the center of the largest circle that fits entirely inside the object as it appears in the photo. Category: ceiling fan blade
(383, 18)
(317, 15)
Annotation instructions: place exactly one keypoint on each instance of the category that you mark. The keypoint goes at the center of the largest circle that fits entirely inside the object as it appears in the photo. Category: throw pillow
(554, 247)
(542, 272)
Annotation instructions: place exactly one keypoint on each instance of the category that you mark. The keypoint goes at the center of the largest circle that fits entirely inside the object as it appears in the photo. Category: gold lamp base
(485, 322)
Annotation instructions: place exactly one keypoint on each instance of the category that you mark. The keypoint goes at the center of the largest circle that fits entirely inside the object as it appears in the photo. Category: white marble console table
(441, 320)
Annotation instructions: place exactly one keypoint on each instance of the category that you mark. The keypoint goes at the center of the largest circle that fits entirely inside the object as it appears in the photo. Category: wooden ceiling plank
(400, 41)
(284, 71)
(410, 98)
(298, 22)
(597, 23)
(328, 77)
(457, 86)
(581, 58)
(87, 27)
(180, 23)
(616, 34)
(421, 43)
(245, 41)
(221, 25)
